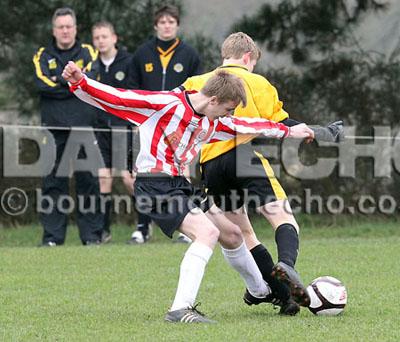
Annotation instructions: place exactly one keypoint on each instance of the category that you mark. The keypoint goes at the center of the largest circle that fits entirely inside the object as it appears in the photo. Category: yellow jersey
(262, 102)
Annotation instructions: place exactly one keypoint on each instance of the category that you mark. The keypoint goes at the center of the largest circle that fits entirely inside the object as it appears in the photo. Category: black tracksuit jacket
(117, 75)
(147, 72)
(59, 107)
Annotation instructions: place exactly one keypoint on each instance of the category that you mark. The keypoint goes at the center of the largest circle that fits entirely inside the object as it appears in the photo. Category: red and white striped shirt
(171, 132)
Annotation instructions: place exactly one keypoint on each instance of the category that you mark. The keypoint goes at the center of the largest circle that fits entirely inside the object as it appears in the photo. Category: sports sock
(265, 264)
(106, 210)
(191, 273)
(242, 261)
(143, 223)
(287, 241)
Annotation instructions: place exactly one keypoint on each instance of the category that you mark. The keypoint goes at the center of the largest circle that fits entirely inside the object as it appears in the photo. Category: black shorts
(116, 146)
(241, 176)
(167, 200)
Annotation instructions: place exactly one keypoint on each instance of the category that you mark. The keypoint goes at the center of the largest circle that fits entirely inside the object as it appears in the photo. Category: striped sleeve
(135, 106)
(228, 127)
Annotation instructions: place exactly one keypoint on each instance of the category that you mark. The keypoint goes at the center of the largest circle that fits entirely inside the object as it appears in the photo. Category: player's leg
(279, 214)
(204, 235)
(167, 201)
(267, 196)
(224, 167)
(237, 255)
(259, 252)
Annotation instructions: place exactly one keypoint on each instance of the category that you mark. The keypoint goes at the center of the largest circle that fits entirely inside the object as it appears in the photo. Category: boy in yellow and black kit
(234, 182)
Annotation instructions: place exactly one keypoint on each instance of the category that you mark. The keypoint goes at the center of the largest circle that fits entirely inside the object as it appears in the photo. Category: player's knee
(231, 238)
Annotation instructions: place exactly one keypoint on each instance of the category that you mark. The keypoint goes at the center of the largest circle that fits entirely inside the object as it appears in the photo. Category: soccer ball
(328, 296)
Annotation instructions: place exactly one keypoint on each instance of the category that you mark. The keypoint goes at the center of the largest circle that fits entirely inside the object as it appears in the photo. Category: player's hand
(72, 73)
(301, 131)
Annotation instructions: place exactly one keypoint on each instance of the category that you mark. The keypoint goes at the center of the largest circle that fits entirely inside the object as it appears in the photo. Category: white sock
(242, 261)
(192, 270)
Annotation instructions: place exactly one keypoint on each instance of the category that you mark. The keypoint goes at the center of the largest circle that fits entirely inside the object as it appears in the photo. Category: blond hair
(225, 87)
(237, 44)
(105, 24)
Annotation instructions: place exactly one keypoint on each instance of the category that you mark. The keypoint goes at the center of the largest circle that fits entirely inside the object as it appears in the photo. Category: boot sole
(297, 290)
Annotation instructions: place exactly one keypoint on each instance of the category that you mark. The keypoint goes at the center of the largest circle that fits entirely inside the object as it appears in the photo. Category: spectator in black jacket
(114, 134)
(61, 110)
(163, 63)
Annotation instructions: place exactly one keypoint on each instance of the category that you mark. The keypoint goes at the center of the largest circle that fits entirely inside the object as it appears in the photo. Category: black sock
(106, 207)
(143, 223)
(265, 264)
(287, 241)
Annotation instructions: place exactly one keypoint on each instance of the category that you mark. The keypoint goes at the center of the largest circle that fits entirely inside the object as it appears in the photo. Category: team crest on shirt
(120, 75)
(52, 64)
(178, 67)
(174, 140)
(148, 67)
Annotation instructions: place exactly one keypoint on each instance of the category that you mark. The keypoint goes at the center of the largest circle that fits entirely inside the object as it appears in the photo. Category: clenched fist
(72, 73)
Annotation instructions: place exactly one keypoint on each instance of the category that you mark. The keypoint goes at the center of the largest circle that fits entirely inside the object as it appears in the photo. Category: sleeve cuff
(284, 128)
(76, 85)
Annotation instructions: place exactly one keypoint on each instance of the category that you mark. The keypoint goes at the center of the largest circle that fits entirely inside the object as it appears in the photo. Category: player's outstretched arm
(333, 132)
(229, 126)
(135, 106)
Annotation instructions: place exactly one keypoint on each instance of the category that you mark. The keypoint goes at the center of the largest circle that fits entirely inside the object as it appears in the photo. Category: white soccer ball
(328, 296)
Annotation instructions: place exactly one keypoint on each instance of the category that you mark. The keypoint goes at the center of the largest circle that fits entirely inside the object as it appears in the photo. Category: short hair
(226, 87)
(105, 24)
(237, 44)
(170, 10)
(62, 11)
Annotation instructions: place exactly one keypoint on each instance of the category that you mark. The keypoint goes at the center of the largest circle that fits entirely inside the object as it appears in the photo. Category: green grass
(121, 293)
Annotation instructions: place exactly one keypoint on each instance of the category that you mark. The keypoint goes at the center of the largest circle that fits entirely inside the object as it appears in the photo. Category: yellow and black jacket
(158, 69)
(262, 102)
(59, 107)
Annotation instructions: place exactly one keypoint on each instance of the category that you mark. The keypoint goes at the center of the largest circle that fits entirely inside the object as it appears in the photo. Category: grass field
(119, 292)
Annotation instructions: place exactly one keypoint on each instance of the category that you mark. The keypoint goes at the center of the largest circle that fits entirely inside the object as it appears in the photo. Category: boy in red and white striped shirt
(173, 127)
